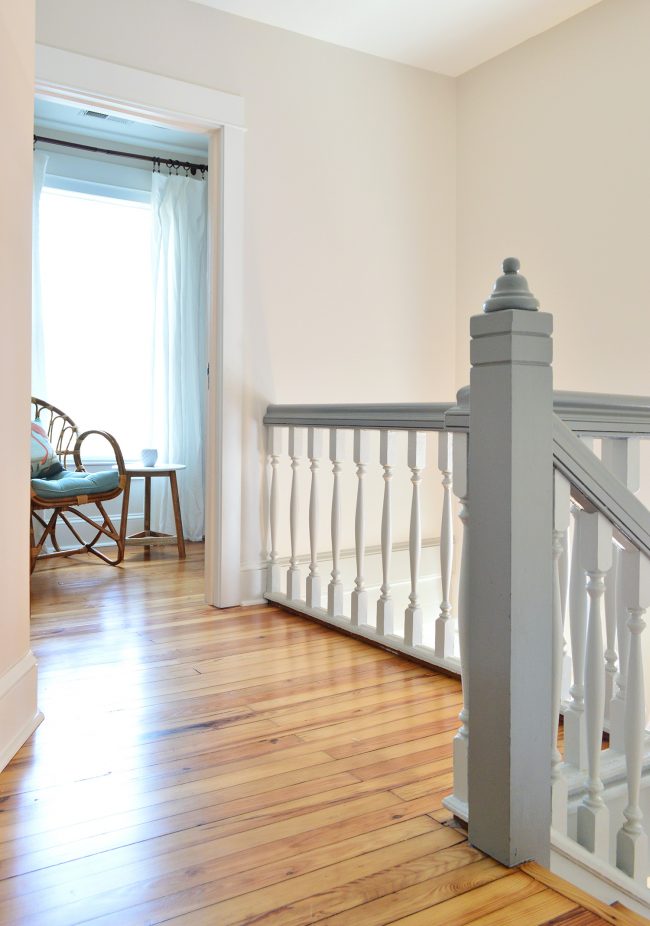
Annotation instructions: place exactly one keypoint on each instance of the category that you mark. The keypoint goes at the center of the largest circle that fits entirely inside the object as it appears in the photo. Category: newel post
(510, 596)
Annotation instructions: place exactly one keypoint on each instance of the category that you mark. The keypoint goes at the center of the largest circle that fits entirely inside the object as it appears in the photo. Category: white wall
(350, 217)
(554, 167)
(18, 711)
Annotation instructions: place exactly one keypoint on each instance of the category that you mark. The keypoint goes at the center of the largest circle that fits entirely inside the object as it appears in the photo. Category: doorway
(78, 81)
(120, 304)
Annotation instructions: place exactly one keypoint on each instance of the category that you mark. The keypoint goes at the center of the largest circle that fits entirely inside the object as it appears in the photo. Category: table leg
(177, 515)
(125, 511)
(147, 513)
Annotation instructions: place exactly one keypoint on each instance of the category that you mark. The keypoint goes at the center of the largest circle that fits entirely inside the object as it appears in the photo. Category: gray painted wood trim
(602, 414)
(596, 414)
(423, 416)
(509, 599)
(599, 488)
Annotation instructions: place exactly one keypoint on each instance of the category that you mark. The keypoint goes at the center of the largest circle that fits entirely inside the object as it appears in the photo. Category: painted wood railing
(548, 533)
(325, 427)
(608, 596)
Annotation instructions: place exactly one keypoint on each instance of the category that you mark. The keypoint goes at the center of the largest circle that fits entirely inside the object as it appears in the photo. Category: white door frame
(79, 80)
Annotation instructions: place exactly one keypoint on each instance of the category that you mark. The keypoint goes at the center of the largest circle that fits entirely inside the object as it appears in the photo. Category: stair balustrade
(542, 614)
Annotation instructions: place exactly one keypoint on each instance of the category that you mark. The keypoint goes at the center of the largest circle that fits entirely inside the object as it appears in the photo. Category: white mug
(149, 456)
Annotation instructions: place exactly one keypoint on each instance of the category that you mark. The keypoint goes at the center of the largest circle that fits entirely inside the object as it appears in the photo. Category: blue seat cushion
(68, 484)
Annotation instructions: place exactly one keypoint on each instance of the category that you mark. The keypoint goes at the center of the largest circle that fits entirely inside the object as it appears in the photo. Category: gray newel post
(510, 574)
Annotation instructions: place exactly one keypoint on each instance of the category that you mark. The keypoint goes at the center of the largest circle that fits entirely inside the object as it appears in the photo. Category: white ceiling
(446, 36)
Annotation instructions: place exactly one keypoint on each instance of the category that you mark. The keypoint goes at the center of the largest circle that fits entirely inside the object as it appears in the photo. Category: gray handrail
(597, 488)
(591, 413)
(425, 416)
(602, 414)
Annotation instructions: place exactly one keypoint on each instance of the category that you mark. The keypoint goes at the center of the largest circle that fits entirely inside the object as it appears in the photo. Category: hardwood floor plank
(466, 908)
(238, 817)
(422, 895)
(576, 918)
(613, 915)
(309, 897)
(215, 880)
(224, 788)
(383, 721)
(533, 911)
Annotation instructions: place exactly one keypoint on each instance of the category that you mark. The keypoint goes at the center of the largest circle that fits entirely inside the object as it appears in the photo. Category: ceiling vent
(93, 114)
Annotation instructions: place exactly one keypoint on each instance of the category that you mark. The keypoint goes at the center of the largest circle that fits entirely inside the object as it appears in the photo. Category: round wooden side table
(147, 538)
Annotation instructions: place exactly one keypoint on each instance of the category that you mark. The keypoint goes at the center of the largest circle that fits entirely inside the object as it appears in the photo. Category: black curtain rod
(158, 162)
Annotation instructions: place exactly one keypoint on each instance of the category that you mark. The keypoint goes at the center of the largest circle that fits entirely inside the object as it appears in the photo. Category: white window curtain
(39, 385)
(179, 381)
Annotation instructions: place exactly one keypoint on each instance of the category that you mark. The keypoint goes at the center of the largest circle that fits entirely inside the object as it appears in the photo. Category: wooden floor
(237, 767)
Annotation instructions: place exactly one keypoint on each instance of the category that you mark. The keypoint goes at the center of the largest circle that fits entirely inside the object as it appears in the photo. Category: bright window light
(98, 317)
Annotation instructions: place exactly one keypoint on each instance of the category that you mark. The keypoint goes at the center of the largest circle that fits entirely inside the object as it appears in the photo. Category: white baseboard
(134, 523)
(253, 575)
(253, 584)
(19, 713)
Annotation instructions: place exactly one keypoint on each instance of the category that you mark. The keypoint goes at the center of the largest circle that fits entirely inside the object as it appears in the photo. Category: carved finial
(511, 290)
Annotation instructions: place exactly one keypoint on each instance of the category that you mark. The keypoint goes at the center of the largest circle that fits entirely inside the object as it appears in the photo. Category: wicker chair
(68, 493)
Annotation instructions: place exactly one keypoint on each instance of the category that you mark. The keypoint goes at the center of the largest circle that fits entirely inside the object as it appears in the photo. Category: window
(97, 311)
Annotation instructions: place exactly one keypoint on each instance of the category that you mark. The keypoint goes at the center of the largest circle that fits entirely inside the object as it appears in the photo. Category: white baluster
(461, 739)
(335, 587)
(413, 615)
(563, 571)
(385, 604)
(611, 591)
(274, 444)
(593, 813)
(617, 706)
(575, 743)
(564, 566)
(632, 840)
(559, 788)
(622, 457)
(359, 604)
(293, 572)
(314, 450)
(444, 640)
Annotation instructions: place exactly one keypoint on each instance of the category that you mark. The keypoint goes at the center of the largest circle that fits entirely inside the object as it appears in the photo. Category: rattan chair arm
(119, 459)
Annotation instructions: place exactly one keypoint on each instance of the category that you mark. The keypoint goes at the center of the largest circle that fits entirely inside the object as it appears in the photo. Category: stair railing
(543, 547)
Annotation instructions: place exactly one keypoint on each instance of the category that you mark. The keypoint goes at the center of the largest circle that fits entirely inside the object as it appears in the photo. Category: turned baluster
(593, 813)
(559, 789)
(575, 748)
(617, 705)
(359, 604)
(385, 624)
(461, 739)
(611, 595)
(622, 457)
(314, 450)
(293, 572)
(444, 639)
(335, 587)
(274, 446)
(413, 614)
(564, 572)
(632, 840)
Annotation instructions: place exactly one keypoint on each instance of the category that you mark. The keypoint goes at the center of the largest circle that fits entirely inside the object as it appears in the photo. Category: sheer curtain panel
(179, 381)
